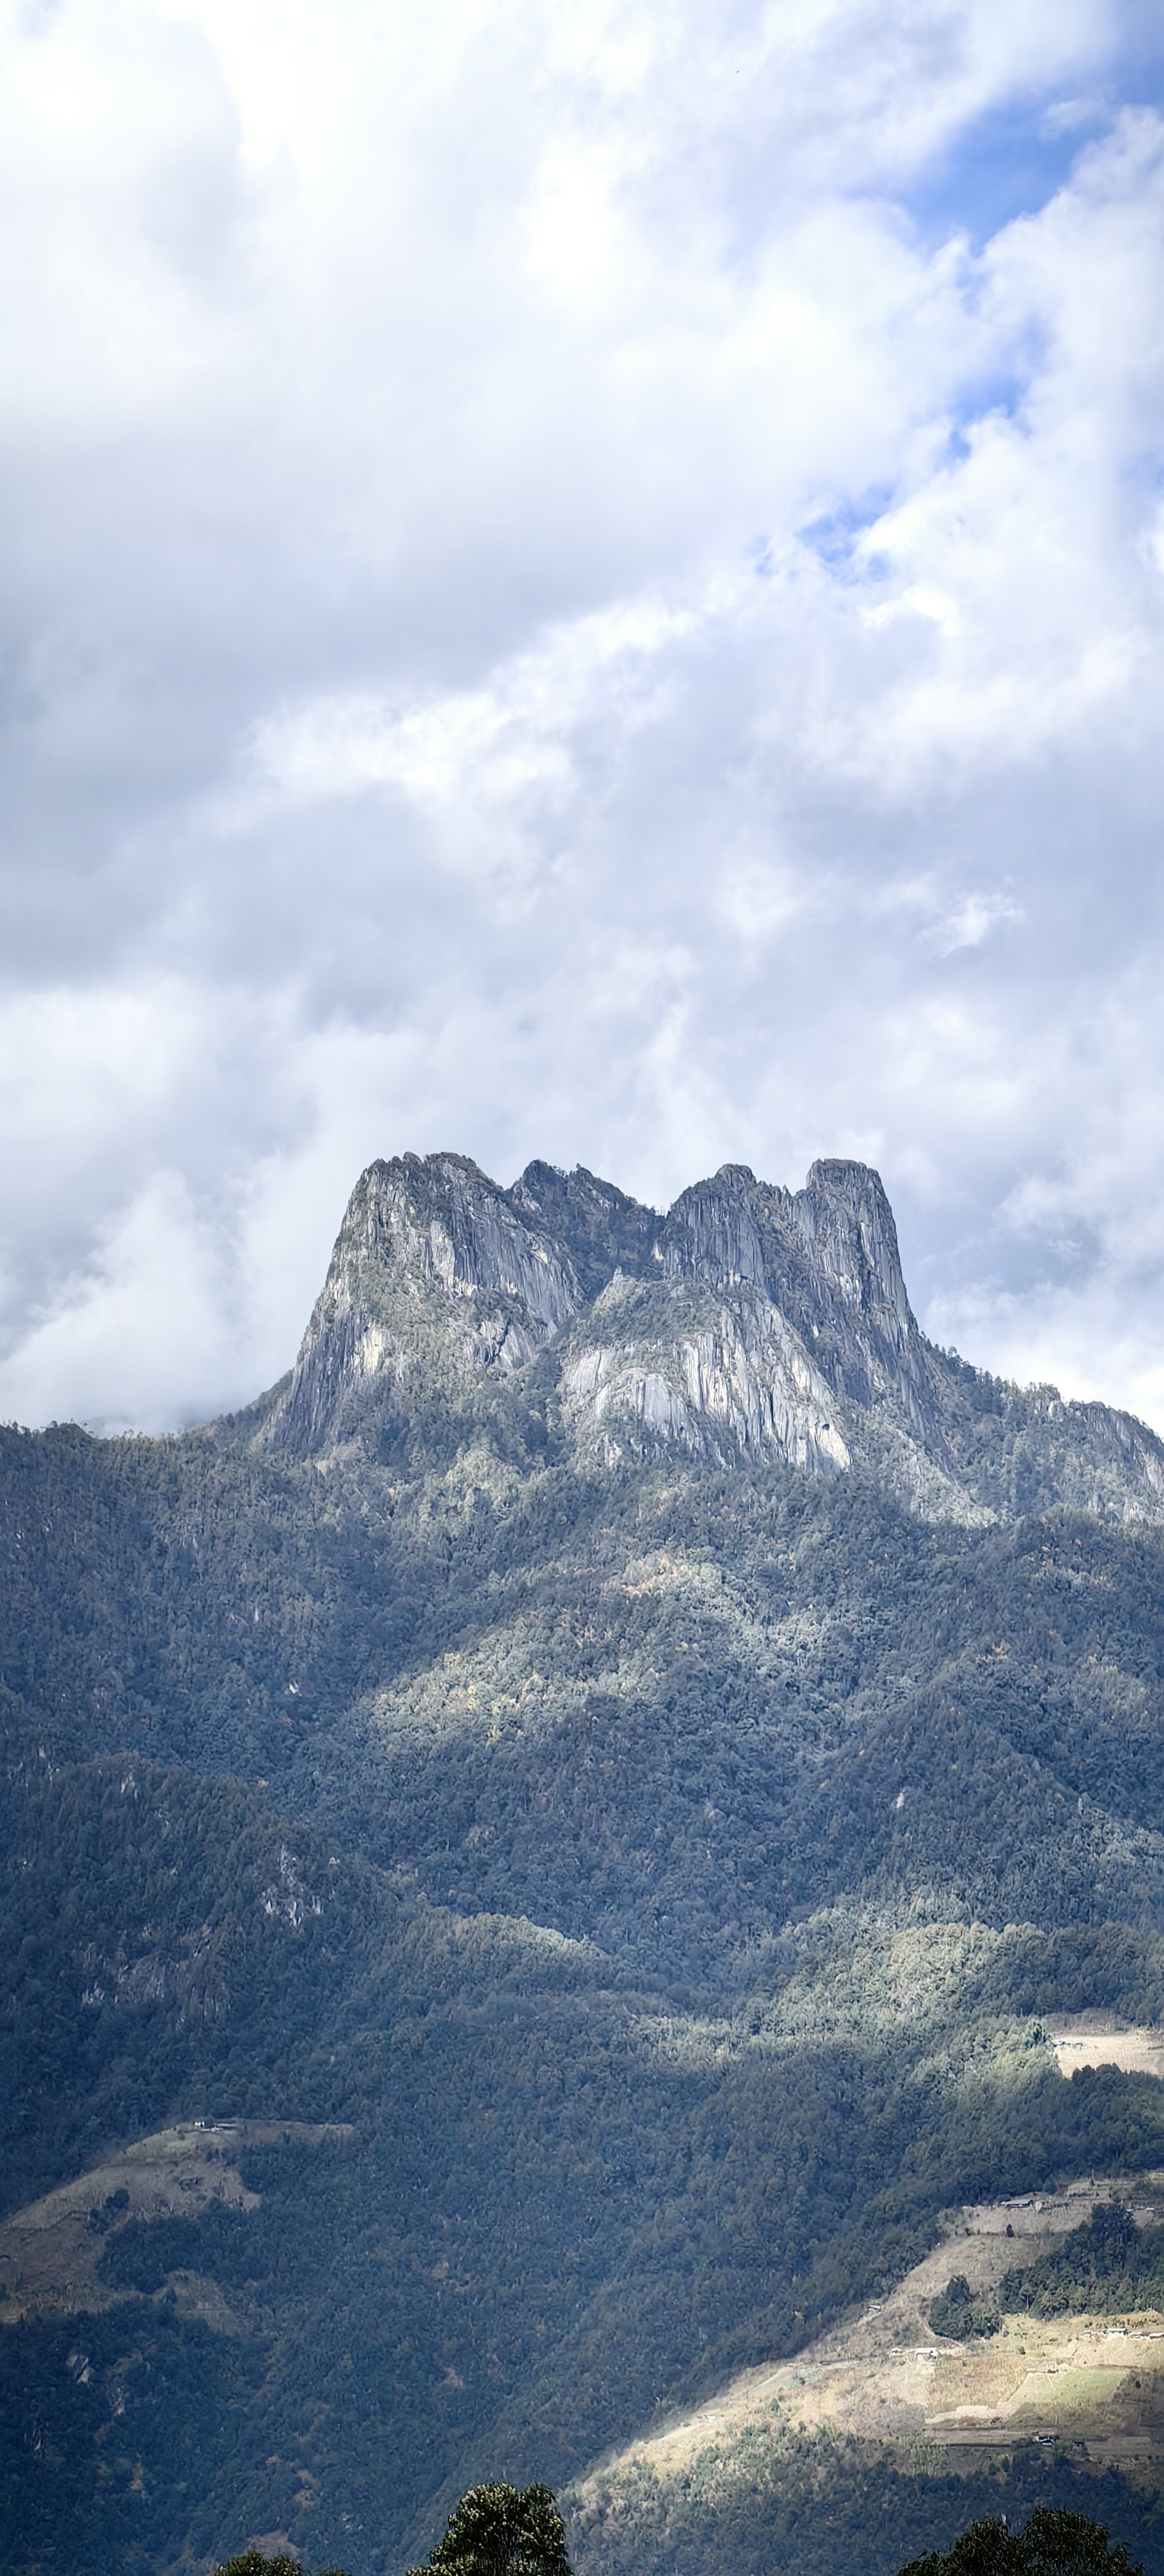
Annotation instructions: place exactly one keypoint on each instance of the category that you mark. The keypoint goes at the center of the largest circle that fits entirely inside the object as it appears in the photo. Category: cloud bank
(589, 584)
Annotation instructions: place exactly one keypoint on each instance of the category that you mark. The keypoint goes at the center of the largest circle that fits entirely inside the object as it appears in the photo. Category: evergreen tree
(501, 2531)
(1053, 2543)
(251, 2562)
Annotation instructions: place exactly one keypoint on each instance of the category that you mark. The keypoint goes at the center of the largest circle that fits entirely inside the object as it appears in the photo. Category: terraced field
(50, 2251)
(1092, 2383)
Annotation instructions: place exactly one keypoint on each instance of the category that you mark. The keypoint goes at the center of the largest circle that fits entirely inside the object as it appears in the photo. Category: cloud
(150, 1304)
(569, 598)
(972, 921)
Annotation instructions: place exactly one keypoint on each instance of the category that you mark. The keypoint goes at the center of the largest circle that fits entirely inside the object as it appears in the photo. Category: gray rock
(432, 1263)
(749, 1322)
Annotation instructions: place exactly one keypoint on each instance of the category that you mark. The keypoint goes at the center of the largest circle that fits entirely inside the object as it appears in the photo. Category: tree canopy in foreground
(1052, 2543)
(251, 2562)
(495, 2530)
(501, 2531)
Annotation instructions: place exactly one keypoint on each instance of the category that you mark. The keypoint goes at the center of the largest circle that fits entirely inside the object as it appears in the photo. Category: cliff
(749, 1321)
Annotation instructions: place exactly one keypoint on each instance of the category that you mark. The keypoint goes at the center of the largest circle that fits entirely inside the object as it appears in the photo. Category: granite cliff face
(433, 1265)
(749, 1321)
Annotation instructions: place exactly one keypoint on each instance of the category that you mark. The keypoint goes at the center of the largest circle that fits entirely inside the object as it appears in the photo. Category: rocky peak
(598, 1225)
(845, 1222)
(832, 1247)
(750, 1321)
(714, 1231)
(436, 1264)
(438, 1219)
(433, 1267)
(827, 1259)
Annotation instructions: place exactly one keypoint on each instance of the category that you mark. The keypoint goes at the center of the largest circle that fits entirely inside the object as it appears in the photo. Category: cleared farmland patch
(50, 2250)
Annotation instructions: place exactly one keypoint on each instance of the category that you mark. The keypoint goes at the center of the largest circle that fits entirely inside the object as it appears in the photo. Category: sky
(587, 583)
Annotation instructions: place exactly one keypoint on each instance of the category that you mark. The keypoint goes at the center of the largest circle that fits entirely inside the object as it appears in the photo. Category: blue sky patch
(1010, 163)
(833, 536)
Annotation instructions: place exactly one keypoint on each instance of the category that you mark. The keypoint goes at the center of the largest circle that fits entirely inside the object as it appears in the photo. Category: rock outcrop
(826, 1257)
(750, 1321)
(434, 1269)
(657, 1369)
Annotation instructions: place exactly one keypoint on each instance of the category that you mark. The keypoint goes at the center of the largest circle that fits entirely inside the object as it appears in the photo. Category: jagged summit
(749, 1321)
(605, 1230)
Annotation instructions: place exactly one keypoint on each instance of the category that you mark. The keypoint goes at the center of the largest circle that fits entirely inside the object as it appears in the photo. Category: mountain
(603, 1778)
(750, 1322)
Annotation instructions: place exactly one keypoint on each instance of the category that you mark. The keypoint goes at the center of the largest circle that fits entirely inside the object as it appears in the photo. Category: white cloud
(557, 607)
(972, 921)
(148, 1308)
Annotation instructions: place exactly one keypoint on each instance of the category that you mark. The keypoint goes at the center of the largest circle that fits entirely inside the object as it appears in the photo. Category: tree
(501, 2531)
(251, 2562)
(1053, 2543)
(957, 2312)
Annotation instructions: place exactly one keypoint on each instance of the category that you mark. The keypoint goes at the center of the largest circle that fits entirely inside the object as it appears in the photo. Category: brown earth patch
(50, 2250)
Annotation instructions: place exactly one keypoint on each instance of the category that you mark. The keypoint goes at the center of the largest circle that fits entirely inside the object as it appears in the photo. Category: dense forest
(660, 1868)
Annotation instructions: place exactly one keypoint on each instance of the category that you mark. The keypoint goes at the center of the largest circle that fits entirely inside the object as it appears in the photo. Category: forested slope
(659, 1848)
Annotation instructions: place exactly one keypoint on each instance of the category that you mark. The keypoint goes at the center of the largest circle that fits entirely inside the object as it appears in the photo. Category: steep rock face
(749, 1322)
(600, 1227)
(845, 1224)
(1115, 1440)
(805, 1317)
(654, 1368)
(827, 1259)
(432, 1265)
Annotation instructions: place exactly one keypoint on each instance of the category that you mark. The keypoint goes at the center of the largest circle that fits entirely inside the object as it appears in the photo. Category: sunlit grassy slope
(880, 2408)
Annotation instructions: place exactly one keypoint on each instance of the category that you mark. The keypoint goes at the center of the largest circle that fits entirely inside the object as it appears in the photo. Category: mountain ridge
(746, 1320)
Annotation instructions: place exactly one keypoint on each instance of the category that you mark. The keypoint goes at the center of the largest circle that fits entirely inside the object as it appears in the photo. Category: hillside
(881, 2402)
(608, 1774)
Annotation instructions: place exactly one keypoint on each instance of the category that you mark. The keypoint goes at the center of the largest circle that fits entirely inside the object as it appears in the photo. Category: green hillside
(661, 1864)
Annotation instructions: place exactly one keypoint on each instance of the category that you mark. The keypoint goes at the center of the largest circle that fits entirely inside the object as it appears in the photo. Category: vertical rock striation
(434, 1268)
(750, 1321)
